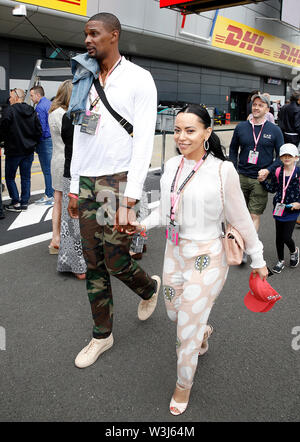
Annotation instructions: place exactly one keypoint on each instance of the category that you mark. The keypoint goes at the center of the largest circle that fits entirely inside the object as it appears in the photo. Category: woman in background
(70, 257)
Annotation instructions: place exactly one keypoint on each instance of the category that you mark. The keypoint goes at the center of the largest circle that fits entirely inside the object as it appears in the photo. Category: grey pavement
(250, 373)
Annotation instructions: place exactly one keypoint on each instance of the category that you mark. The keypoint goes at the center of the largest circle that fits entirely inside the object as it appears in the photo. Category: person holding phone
(284, 182)
(195, 267)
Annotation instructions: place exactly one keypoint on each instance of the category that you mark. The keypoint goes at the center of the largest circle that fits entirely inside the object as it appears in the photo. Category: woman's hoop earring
(206, 145)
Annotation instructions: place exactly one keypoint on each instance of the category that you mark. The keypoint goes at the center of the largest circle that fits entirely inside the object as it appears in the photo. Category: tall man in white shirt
(108, 169)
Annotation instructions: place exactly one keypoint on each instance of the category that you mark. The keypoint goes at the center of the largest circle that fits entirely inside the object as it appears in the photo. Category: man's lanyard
(256, 140)
(95, 102)
(284, 187)
(175, 196)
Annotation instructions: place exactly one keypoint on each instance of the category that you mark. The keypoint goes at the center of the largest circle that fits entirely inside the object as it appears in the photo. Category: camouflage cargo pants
(105, 250)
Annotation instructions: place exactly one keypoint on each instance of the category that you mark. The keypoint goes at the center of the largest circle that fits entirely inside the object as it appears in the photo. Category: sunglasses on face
(15, 91)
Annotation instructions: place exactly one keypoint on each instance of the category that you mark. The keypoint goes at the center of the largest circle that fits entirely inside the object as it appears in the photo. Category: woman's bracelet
(72, 195)
(127, 207)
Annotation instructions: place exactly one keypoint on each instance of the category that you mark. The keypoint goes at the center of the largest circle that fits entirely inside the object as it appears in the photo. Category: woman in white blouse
(195, 267)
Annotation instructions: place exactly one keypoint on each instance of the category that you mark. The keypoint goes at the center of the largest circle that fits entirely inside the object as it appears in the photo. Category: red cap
(261, 296)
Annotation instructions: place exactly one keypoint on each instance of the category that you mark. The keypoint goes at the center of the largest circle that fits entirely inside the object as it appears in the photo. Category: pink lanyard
(256, 140)
(175, 196)
(284, 187)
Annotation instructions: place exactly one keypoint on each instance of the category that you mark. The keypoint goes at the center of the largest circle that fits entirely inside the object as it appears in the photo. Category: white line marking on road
(25, 243)
(48, 217)
(35, 211)
(32, 215)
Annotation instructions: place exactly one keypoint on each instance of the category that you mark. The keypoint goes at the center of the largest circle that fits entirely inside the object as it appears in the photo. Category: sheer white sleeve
(157, 217)
(238, 215)
(154, 219)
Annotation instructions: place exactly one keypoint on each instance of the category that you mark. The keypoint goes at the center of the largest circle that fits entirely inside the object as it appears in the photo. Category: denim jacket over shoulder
(84, 70)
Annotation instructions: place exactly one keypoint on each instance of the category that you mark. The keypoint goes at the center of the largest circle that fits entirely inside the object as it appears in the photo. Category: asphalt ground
(250, 373)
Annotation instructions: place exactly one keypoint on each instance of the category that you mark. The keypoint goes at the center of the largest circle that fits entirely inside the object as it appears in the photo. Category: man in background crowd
(20, 130)
(44, 148)
(289, 120)
(253, 146)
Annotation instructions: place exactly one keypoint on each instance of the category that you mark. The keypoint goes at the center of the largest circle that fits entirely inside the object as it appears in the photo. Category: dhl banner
(236, 37)
(74, 6)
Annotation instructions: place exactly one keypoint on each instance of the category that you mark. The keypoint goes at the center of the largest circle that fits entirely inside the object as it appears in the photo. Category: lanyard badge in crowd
(172, 231)
(253, 154)
(279, 208)
(91, 120)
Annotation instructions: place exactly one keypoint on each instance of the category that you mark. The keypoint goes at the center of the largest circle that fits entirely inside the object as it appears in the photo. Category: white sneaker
(147, 307)
(294, 261)
(89, 354)
(278, 267)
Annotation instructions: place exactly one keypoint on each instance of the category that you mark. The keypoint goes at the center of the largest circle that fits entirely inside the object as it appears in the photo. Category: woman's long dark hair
(215, 147)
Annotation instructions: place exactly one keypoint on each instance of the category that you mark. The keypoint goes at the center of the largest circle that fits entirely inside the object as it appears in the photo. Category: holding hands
(262, 175)
(125, 220)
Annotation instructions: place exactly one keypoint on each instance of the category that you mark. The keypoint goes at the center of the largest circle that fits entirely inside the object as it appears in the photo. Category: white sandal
(177, 408)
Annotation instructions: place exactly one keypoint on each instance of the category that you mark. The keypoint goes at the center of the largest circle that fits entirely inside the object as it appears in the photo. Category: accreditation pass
(89, 123)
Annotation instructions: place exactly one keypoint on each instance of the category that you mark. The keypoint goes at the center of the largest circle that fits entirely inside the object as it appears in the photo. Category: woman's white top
(200, 211)
(58, 146)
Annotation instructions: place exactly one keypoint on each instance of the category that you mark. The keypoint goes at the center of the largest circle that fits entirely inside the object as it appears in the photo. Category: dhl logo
(253, 42)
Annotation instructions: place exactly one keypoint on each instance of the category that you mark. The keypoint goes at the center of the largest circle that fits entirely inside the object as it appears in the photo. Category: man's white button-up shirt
(130, 90)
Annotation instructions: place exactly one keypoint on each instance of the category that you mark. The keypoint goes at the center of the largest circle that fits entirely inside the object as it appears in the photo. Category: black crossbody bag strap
(124, 123)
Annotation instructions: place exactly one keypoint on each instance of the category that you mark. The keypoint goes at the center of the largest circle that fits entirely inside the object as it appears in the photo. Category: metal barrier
(165, 123)
(38, 72)
(166, 118)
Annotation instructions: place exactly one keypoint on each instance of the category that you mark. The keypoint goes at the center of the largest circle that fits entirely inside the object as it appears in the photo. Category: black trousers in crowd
(294, 139)
(284, 233)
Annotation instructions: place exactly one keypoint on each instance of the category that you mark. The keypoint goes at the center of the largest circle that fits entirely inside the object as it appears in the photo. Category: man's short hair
(39, 90)
(110, 21)
(295, 96)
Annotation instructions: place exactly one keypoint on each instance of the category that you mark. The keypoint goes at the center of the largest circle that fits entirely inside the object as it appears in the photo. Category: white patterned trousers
(194, 275)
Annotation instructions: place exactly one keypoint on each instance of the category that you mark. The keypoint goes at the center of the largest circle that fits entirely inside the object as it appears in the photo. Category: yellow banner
(74, 6)
(236, 37)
